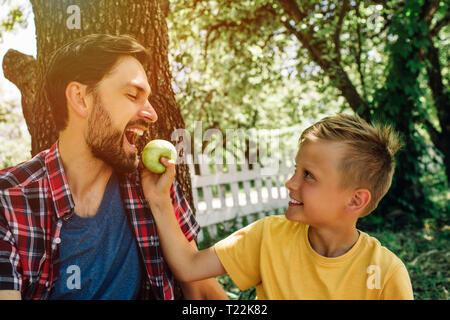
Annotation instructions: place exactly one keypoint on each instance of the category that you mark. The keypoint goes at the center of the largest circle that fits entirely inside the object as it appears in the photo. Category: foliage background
(15, 141)
(247, 64)
(266, 64)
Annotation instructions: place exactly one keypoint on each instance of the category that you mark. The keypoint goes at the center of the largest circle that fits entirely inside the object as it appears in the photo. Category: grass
(425, 252)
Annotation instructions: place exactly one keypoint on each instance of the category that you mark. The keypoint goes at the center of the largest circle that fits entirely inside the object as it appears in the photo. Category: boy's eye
(308, 175)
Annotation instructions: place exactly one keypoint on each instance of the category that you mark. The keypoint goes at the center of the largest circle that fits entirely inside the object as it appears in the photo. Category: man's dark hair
(86, 60)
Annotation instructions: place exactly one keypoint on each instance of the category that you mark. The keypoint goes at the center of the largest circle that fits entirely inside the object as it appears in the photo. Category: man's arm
(10, 295)
(9, 278)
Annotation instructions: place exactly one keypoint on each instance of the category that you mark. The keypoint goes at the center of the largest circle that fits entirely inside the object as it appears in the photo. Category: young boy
(343, 168)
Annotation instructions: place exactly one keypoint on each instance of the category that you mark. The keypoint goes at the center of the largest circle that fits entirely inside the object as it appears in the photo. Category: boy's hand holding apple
(158, 171)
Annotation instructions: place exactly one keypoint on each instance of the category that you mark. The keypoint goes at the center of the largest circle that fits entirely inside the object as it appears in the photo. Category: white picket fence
(227, 193)
(232, 193)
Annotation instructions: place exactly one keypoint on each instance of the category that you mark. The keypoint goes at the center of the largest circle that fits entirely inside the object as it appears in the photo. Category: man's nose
(148, 113)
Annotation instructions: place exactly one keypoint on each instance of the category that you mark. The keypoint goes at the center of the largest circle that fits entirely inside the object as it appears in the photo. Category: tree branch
(359, 54)
(337, 34)
(291, 8)
(258, 14)
(21, 69)
(434, 134)
(440, 24)
(317, 49)
(440, 97)
(429, 9)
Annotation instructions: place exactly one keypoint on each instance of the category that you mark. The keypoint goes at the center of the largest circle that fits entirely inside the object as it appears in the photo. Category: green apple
(156, 149)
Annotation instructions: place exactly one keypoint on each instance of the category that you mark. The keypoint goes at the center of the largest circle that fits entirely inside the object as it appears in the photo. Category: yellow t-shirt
(274, 254)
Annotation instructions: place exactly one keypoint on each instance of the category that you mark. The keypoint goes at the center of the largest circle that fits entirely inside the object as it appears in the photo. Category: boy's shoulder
(377, 253)
(277, 227)
(276, 222)
(277, 219)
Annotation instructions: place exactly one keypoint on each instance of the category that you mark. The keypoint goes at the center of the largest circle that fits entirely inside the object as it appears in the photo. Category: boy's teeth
(295, 201)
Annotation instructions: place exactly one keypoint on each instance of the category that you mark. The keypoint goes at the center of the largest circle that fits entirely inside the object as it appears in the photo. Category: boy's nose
(148, 113)
(292, 184)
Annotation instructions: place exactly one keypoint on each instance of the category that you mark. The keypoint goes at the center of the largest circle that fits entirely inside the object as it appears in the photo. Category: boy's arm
(185, 261)
(10, 295)
(208, 289)
(398, 286)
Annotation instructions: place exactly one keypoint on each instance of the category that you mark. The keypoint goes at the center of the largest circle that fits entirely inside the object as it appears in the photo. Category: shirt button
(57, 240)
(47, 284)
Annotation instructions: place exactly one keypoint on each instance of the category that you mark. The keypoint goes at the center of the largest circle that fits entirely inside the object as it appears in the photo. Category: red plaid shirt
(35, 199)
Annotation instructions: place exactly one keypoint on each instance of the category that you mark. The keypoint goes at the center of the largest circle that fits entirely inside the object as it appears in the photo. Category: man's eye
(131, 96)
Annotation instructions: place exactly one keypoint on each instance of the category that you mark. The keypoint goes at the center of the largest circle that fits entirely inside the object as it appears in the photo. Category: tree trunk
(441, 98)
(56, 25)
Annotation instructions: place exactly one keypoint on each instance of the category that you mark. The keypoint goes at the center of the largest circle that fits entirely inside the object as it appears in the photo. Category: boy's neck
(332, 243)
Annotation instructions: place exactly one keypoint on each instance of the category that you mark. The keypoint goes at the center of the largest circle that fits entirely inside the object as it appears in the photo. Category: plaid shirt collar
(59, 186)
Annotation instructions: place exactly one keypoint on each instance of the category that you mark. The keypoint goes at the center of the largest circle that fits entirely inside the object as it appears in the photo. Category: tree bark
(145, 20)
(21, 70)
(441, 96)
(441, 99)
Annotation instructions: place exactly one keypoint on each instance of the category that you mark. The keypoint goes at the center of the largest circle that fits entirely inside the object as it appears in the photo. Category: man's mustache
(138, 122)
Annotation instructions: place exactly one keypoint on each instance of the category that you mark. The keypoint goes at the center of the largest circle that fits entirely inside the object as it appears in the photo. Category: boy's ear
(76, 98)
(359, 200)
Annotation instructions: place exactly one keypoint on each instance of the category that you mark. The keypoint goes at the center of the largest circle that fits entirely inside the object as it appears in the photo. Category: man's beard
(106, 142)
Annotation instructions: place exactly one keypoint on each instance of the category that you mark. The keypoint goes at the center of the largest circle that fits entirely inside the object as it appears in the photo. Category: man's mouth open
(132, 134)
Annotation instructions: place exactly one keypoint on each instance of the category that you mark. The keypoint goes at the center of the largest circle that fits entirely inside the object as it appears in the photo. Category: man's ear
(359, 200)
(76, 98)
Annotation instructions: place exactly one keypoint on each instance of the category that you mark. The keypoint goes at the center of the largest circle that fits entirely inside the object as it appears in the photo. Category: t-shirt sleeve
(398, 285)
(183, 212)
(239, 254)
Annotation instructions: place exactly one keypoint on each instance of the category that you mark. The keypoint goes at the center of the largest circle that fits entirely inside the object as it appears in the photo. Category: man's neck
(332, 242)
(86, 175)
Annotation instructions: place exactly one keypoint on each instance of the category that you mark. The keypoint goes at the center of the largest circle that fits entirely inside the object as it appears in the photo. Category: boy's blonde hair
(369, 159)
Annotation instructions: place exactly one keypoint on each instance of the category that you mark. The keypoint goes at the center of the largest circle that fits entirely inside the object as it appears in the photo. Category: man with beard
(74, 221)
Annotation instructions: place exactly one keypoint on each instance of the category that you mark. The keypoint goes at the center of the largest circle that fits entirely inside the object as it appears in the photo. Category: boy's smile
(294, 203)
(315, 191)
